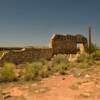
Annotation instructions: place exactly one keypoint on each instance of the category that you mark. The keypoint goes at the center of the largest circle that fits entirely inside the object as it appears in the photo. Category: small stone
(87, 76)
(36, 91)
(63, 78)
(6, 96)
(77, 74)
(5, 92)
(42, 90)
(86, 94)
(74, 87)
(34, 85)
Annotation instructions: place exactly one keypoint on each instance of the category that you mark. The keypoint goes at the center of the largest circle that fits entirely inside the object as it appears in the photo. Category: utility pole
(89, 40)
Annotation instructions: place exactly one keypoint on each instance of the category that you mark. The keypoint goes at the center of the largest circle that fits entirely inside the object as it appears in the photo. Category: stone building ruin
(68, 44)
(59, 44)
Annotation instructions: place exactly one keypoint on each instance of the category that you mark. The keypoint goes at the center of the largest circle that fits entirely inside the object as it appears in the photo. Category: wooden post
(89, 40)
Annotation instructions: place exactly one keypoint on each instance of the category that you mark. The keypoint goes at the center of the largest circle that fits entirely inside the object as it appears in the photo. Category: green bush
(96, 55)
(83, 65)
(59, 68)
(59, 64)
(86, 58)
(44, 72)
(7, 72)
(91, 49)
(1, 52)
(62, 69)
(60, 59)
(43, 61)
(31, 71)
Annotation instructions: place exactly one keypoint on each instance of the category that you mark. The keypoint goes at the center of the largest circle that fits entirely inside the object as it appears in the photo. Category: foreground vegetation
(43, 68)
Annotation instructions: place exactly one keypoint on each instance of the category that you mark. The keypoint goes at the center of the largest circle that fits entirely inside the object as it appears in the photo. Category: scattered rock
(74, 87)
(85, 95)
(41, 90)
(4, 92)
(87, 76)
(34, 85)
(7, 96)
(77, 74)
(63, 78)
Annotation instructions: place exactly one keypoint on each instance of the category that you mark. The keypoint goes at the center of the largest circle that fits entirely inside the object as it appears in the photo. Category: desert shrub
(96, 55)
(62, 68)
(60, 59)
(92, 49)
(1, 52)
(86, 59)
(44, 72)
(31, 71)
(7, 72)
(98, 51)
(43, 61)
(83, 65)
(70, 65)
(59, 67)
(59, 64)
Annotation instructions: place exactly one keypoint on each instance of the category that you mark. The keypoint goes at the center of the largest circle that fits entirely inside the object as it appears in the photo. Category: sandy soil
(56, 87)
(53, 88)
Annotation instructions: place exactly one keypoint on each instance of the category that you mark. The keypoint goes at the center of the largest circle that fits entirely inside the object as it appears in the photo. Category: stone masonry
(59, 44)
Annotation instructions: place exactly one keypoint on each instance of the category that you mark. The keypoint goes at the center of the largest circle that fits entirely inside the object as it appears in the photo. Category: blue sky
(31, 22)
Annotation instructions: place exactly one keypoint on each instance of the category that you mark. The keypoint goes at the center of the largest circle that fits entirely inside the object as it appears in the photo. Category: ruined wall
(81, 39)
(63, 44)
(64, 47)
(67, 44)
(28, 55)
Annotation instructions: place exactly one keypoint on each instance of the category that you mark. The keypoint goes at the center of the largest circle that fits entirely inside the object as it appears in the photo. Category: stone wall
(9, 48)
(28, 55)
(67, 44)
(64, 44)
(64, 47)
(59, 44)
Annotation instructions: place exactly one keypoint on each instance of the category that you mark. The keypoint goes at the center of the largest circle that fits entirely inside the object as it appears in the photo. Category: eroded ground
(79, 84)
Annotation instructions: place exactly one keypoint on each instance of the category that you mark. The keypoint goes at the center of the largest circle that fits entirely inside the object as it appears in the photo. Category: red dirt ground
(55, 88)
